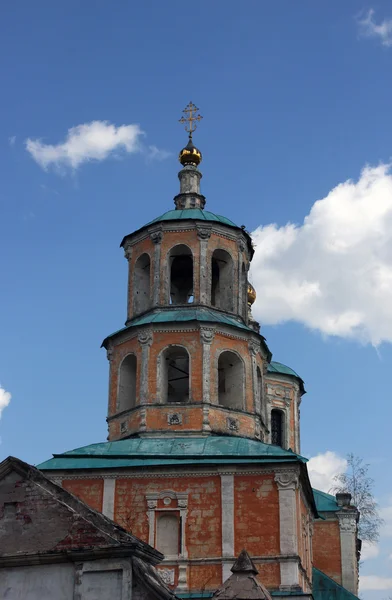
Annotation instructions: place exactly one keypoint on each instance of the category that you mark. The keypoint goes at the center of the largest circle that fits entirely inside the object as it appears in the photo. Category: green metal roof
(194, 214)
(325, 502)
(182, 315)
(277, 367)
(136, 452)
(325, 588)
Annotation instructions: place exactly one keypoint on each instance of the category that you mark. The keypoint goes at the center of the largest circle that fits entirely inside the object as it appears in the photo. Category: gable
(33, 520)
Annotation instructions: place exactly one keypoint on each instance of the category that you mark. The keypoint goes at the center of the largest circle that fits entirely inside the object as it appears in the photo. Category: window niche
(168, 533)
(231, 380)
(222, 280)
(180, 263)
(277, 427)
(127, 383)
(175, 375)
(141, 284)
(167, 513)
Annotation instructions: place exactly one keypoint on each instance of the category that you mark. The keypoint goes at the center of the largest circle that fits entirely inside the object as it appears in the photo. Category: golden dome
(251, 294)
(190, 155)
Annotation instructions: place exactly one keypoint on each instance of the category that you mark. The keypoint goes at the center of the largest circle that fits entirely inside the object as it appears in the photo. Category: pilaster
(239, 306)
(156, 237)
(348, 544)
(145, 340)
(204, 234)
(287, 482)
(207, 336)
(227, 502)
(109, 486)
(128, 256)
(254, 348)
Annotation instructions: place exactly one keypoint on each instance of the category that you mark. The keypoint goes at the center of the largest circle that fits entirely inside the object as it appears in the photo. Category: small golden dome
(190, 155)
(251, 294)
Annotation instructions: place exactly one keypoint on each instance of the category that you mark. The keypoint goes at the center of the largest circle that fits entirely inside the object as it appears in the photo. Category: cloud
(156, 153)
(93, 141)
(323, 468)
(5, 399)
(333, 272)
(369, 551)
(386, 515)
(374, 582)
(12, 140)
(369, 28)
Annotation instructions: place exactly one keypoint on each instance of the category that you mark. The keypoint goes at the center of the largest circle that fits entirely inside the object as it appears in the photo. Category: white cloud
(93, 141)
(386, 515)
(12, 140)
(369, 550)
(5, 399)
(323, 468)
(369, 28)
(374, 582)
(156, 153)
(333, 273)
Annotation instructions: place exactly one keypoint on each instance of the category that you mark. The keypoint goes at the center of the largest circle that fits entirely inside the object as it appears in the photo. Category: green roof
(325, 588)
(194, 214)
(136, 452)
(182, 315)
(325, 502)
(277, 367)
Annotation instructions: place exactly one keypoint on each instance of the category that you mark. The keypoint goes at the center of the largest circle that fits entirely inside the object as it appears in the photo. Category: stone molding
(203, 232)
(347, 521)
(156, 236)
(145, 337)
(128, 251)
(287, 480)
(207, 334)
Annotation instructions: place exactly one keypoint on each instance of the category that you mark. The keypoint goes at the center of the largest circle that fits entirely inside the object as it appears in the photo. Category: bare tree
(357, 482)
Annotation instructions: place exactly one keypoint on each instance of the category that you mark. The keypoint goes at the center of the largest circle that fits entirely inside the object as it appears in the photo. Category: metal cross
(191, 118)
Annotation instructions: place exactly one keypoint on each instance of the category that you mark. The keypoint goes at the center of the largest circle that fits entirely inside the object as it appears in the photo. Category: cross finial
(191, 118)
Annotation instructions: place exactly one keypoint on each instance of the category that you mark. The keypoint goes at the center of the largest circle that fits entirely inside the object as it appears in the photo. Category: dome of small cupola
(190, 155)
(251, 294)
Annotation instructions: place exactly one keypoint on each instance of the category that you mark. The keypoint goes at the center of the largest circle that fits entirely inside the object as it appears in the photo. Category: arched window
(277, 422)
(127, 383)
(175, 375)
(222, 280)
(230, 380)
(141, 284)
(168, 534)
(181, 275)
(259, 388)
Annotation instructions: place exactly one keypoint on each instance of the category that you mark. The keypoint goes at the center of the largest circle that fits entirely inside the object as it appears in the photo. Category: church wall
(256, 503)
(269, 574)
(326, 549)
(304, 537)
(131, 346)
(203, 522)
(204, 577)
(88, 490)
(191, 341)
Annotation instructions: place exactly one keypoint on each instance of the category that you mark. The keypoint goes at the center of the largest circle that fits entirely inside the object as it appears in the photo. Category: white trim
(109, 487)
(227, 498)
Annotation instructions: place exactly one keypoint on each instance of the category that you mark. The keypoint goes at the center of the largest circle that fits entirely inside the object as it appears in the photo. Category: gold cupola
(190, 155)
(251, 294)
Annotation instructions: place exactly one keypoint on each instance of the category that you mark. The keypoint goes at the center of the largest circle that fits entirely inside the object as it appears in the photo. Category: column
(207, 336)
(287, 482)
(348, 545)
(156, 237)
(227, 502)
(109, 486)
(241, 306)
(254, 348)
(128, 255)
(204, 233)
(145, 340)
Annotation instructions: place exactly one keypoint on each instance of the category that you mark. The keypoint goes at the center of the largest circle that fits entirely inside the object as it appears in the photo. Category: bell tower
(190, 359)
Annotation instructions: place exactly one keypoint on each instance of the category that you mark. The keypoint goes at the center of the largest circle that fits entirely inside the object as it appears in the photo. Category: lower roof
(153, 451)
(325, 502)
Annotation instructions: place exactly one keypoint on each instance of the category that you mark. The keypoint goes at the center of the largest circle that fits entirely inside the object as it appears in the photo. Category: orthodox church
(203, 457)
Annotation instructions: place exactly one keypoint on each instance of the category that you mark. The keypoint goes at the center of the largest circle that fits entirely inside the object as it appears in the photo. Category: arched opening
(230, 380)
(181, 275)
(222, 280)
(175, 376)
(141, 284)
(244, 290)
(168, 534)
(277, 423)
(259, 388)
(127, 383)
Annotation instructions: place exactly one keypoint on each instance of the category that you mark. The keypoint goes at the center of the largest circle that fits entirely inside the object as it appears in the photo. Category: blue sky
(296, 99)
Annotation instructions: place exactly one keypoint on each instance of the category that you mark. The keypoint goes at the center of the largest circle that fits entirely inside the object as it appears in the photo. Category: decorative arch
(222, 269)
(126, 397)
(180, 275)
(231, 380)
(174, 375)
(141, 284)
